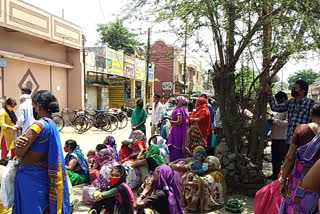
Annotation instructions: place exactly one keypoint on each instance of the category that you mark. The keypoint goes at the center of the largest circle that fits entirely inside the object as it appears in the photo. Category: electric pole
(185, 60)
(148, 66)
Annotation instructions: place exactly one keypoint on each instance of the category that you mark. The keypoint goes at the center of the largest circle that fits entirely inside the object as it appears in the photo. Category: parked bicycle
(122, 118)
(97, 119)
(78, 122)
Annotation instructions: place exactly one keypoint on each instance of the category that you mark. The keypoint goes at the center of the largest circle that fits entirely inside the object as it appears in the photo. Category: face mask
(96, 154)
(294, 93)
(10, 108)
(140, 105)
(205, 167)
(171, 105)
(65, 149)
(114, 180)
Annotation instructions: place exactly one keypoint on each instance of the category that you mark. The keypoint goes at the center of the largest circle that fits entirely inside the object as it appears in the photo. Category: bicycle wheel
(80, 124)
(103, 122)
(123, 120)
(59, 121)
(113, 122)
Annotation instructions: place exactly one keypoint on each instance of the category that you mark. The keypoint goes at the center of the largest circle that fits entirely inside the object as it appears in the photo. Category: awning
(33, 59)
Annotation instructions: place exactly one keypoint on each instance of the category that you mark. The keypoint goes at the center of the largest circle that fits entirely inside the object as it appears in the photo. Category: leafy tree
(271, 29)
(244, 77)
(307, 75)
(279, 86)
(118, 37)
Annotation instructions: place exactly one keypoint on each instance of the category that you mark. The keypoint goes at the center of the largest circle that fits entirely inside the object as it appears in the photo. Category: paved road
(93, 137)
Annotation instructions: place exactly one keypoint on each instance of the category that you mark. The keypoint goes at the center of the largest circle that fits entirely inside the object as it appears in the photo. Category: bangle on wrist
(281, 180)
(142, 196)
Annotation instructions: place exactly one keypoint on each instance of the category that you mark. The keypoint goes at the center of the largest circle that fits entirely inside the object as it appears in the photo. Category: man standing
(157, 110)
(25, 113)
(278, 136)
(298, 107)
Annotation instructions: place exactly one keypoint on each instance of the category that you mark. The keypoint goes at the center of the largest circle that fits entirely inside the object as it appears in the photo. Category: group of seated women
(193, 183)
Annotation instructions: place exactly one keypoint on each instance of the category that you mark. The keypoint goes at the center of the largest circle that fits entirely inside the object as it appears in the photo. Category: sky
(88, 13)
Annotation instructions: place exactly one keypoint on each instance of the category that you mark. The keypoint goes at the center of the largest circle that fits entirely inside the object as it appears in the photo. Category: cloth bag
(7, 183)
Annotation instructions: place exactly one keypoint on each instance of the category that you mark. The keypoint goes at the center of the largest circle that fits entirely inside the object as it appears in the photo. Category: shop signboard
(129, 67)
(114, 62)
(151, 73)
(140, 69)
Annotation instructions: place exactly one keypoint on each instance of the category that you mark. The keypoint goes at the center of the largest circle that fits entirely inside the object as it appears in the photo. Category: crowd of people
(173, 172)
(168, 174)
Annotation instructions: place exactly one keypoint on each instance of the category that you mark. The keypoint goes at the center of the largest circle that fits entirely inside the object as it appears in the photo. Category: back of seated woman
(76, 163)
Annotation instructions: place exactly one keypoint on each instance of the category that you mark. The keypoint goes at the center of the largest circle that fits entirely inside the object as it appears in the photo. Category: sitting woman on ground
(130, 151)
(94, 164)
(160, 193)
(151, 160)
(76, 163)
(116, 198)
(111, 142)
(204, 193)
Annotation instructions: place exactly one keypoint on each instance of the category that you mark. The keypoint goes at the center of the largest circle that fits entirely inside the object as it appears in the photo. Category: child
(117, 198)
(95, 169)
(91, 155)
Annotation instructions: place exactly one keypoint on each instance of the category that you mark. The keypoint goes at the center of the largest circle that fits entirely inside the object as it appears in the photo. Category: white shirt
(156, 113)
(25, 115)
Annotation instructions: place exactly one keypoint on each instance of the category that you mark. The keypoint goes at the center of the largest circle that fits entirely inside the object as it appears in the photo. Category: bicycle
(97, 120)
(122, 118)
(78, 122)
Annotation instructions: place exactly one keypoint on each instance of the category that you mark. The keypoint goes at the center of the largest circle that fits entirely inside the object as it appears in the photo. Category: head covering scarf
(138, 135)
(82, 161)
(126, 206)
(154, 152)
(202, 111)
(162, 145)
(182, 103)
(166, 183)
(112, 142)
(213, 161)
(106, 159)
(12, 115)
(195, 164)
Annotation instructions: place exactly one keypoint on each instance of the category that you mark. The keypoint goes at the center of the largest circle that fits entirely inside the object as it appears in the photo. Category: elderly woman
(130, 151)
(160, 193)
(204, 193)
(76, 163)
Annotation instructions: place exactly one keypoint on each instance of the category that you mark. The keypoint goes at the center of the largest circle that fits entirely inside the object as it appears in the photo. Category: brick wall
(163, 58)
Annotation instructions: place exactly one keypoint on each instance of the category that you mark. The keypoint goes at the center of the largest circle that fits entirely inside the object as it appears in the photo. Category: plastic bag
(214, 140)
(7, 184)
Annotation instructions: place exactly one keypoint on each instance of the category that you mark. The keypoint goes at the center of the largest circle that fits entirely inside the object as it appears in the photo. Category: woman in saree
(76, 163)
(117, 197)
(178, 132)
(204, 193)
(299, 160)
(130, 151)
(199, 125)
(139, 117)
(152, 159)
(8, 120)
(160, 193)
(41, 184)
(111, 142)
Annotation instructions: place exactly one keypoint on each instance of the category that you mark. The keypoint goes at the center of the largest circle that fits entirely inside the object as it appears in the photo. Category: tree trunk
(257, 132)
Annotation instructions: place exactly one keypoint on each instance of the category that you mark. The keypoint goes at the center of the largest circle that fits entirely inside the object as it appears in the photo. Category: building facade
(41, 51)
(113, 79)
(169, 71)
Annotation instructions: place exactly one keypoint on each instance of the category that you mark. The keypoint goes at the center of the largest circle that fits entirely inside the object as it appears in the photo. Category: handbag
(7, 183)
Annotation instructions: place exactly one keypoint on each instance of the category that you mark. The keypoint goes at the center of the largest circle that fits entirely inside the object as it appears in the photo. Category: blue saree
(40, 187)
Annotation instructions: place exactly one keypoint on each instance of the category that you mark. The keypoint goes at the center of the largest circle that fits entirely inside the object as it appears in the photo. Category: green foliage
(118, 37)
(244, 78)
(279, 86)
(307, 75)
